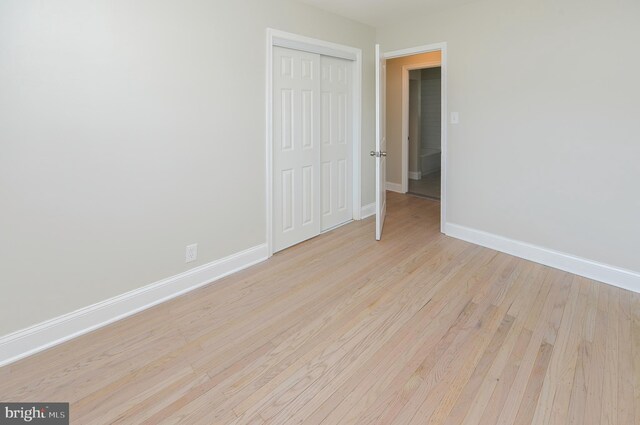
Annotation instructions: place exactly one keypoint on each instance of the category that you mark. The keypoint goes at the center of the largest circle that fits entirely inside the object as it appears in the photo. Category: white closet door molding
(326, 49)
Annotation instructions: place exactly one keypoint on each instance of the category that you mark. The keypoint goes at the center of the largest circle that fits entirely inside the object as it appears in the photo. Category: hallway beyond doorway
(428, 186)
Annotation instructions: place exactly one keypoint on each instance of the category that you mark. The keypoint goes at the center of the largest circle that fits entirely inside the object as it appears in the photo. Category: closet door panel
(336, 136)
(296, 147)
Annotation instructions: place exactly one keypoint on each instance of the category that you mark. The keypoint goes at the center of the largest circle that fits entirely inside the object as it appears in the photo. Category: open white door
(380, 153)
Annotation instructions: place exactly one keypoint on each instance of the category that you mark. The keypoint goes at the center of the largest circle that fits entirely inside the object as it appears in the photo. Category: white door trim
(405, 117)
(442, 47)
(286, 39)
(320, 49)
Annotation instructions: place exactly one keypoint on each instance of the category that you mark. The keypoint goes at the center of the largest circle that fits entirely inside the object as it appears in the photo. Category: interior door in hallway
(336, 140)
(296, 147)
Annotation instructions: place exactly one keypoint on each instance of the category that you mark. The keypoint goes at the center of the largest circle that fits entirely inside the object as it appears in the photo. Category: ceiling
(377, 13)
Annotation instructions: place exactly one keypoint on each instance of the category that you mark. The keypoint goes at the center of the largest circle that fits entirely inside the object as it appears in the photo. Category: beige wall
(394, 110)
(129, 129)
(548, 143)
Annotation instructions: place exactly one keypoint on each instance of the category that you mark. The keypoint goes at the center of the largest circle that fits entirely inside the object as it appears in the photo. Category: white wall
(129, 129)
(548, 144)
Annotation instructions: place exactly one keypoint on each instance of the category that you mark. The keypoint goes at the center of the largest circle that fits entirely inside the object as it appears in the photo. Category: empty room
(319, 212)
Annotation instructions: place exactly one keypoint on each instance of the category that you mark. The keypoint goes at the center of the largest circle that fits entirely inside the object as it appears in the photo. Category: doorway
(424, 134)
(398, 65)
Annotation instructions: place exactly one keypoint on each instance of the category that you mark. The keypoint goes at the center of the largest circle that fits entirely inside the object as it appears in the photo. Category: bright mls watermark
(34, 413)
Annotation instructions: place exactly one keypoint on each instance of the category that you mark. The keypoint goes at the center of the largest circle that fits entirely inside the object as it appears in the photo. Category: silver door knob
(372, 153)
(383, 153)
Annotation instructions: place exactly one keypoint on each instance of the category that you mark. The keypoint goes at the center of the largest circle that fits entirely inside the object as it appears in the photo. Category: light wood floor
(416, 329)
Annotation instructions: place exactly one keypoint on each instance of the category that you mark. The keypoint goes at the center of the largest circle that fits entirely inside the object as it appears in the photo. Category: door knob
(383, 153)
(372, 153)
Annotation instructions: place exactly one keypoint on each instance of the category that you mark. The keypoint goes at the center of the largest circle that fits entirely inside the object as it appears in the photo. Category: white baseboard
(415, 175)
(394, 187)
(368, 210)
(26, 342)
(612, 275)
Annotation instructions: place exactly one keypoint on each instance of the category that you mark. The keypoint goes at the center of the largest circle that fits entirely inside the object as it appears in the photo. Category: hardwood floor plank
(356, 401)
(455, 388)
(382, 364)
(578, 403)
(531, 292)
(393, 308)
(635, 340)
(610, 372)
(275, 369)
(626, 409)
(561, 355)
(545, 328)
(569, 363)
(597, 354)
(534, 386)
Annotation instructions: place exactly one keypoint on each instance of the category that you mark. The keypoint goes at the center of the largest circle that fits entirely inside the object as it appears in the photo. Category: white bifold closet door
(312, 131)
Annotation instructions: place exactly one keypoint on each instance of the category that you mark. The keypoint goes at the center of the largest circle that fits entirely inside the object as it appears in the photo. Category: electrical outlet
(191, 253)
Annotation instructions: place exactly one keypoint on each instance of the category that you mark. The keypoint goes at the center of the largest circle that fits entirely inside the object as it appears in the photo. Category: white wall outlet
(455, 118)
(191, 253)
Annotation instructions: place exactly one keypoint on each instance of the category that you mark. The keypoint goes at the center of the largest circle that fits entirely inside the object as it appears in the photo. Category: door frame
(442, 47)
(299, 42)
(405, 117)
